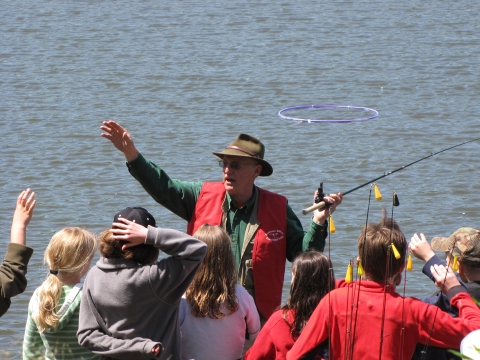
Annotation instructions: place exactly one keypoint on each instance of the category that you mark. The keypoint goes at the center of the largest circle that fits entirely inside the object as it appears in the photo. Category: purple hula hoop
(328, 106)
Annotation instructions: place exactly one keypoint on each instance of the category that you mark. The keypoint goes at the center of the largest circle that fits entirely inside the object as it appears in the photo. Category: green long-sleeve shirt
(180, 197)
(12, 273)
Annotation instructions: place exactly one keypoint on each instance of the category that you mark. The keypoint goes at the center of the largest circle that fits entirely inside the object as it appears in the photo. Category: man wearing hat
(264, 229)
(464, 245)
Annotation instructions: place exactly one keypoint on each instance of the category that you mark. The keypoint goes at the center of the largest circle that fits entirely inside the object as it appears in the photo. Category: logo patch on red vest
(274, 235)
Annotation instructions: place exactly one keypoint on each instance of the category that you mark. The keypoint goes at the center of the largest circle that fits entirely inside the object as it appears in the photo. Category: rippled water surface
(186, 77)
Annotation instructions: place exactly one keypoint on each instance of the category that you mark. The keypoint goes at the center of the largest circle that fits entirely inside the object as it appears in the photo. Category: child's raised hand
(420, 247)
(445, 278)
(24, 210)
(22, 216)
(129, 231)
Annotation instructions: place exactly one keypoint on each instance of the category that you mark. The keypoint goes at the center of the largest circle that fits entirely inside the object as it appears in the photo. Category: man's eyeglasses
(234, 165)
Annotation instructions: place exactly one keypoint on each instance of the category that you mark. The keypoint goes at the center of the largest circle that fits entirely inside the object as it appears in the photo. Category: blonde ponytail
(49, 295)
(68, 252)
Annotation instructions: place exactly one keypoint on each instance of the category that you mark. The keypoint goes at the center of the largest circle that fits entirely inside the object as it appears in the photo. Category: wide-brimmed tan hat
(465, 243)
(248, 146)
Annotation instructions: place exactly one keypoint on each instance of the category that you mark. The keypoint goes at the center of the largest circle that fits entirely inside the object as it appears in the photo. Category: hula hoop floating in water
(373, 113)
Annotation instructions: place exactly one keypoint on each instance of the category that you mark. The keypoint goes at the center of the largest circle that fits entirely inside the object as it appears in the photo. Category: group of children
(132, 305)
(188, 305)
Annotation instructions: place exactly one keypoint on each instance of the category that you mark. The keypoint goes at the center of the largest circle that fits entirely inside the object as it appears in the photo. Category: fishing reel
(321, 195)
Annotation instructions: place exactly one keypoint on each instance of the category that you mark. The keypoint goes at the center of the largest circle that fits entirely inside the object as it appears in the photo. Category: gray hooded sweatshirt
(134, 307)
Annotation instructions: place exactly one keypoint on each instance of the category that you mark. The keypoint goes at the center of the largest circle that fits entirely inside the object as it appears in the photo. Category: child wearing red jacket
(311, 281)
(369, 320)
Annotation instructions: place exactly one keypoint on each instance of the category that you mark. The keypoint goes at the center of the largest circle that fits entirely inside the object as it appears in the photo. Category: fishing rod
(322, 204)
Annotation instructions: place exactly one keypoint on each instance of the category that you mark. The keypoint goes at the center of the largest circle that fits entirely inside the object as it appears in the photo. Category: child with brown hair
(311, 281)
(369, 320)
(53, 312)
(216, 314)
(130, 301)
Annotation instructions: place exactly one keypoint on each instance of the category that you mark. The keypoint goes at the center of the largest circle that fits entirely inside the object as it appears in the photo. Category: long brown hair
(310, 284)
(373, 244)
(214, 283)
(68, 252)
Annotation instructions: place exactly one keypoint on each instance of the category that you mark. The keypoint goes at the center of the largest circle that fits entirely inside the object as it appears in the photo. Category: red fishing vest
(270, 244)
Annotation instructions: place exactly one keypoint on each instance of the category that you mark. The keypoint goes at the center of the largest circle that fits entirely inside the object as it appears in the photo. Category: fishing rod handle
(314, 207)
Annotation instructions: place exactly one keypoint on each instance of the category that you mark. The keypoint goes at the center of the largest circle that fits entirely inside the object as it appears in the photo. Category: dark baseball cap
(136, 214)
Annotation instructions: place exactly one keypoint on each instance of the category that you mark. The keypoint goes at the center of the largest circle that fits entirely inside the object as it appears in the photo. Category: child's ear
(398, 277)
(460, 268)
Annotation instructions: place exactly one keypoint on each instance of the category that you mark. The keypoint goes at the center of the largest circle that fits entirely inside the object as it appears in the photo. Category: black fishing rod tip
(396, 202)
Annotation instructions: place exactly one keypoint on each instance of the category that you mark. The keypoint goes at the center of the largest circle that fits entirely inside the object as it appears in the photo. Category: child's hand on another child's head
(420, 247)
(156, 350)
(445, 278)
(129, 231)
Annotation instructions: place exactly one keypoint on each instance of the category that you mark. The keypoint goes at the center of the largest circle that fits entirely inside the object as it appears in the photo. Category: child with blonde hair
(53, 312)
(216, 314)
